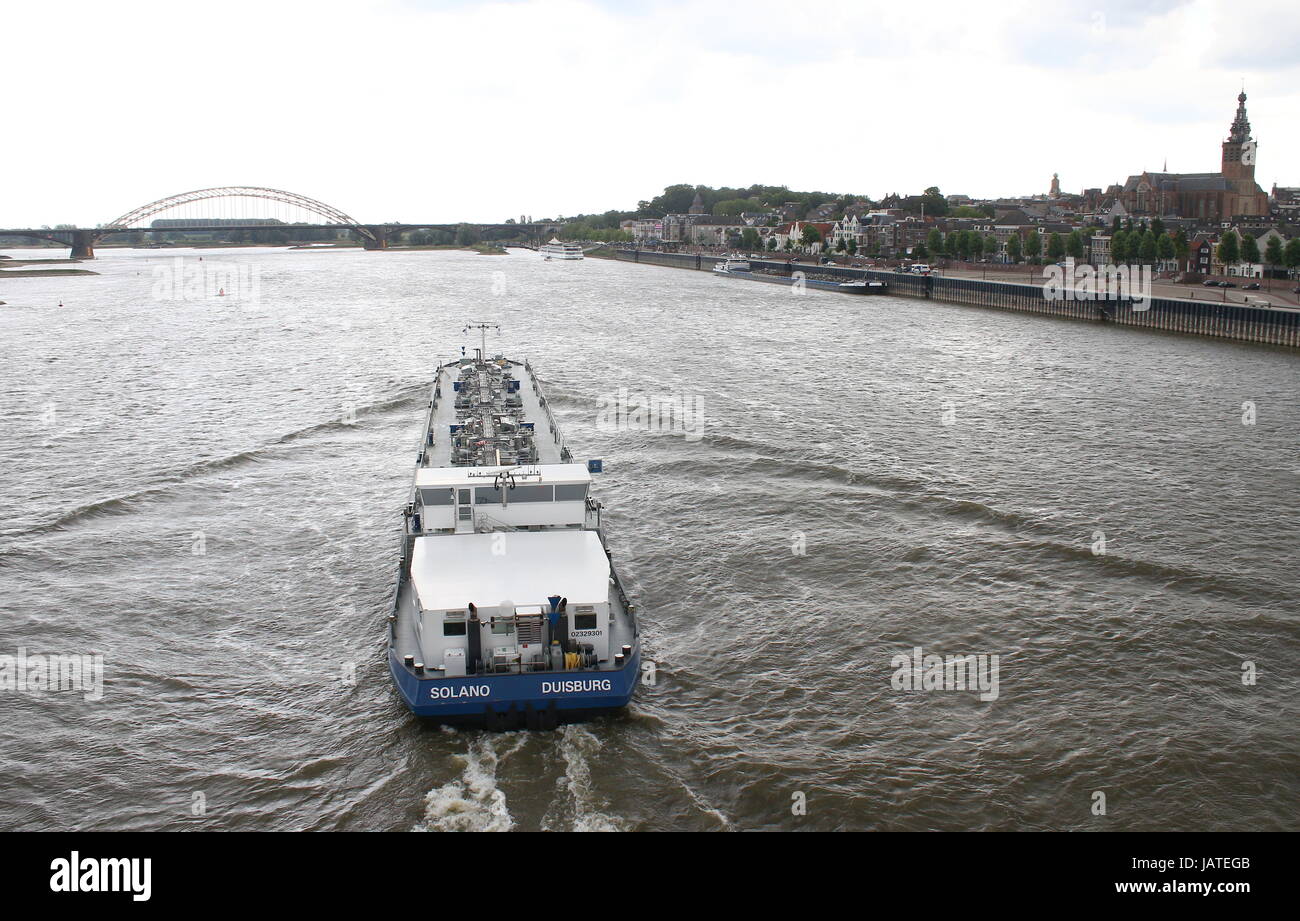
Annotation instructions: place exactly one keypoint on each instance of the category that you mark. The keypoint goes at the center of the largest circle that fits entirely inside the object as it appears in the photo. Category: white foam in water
(576, 744)
(473, 802)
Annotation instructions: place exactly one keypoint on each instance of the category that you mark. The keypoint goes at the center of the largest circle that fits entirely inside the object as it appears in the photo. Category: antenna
(483, 328)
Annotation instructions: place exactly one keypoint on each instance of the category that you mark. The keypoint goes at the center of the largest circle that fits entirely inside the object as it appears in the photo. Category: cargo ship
(508, 610)
(863, 287)
(731, 265)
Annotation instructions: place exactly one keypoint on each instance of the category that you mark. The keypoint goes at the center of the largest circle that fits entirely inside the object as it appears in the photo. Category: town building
(1200, 254)
(1285, 202)
(676, 228)
(714, 231)
(647, 230)
(1262, 240)
(792, 234)
(1099, 249)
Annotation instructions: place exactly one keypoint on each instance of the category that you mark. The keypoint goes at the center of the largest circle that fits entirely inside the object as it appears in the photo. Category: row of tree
(1233, 249)
(1147, 246)
(730, 202)
(584, 230)
(1135, 245)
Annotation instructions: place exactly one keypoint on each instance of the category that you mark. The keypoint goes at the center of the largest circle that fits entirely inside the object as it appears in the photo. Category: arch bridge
(372, 236)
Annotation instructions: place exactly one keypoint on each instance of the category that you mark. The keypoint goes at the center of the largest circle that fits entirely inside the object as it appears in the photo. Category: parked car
(1209, 283)
(1253, 286)
(1227, 284)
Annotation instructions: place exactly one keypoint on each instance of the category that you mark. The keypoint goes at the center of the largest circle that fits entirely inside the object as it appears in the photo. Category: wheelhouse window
(437, 496)
(584, 621)
(532, 493)
(453, 628)
(574, 493)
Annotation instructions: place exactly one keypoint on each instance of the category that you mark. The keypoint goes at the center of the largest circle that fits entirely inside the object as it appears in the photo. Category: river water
(206, 490)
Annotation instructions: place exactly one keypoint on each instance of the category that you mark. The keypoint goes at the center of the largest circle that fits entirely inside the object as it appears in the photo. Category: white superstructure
(557, 250)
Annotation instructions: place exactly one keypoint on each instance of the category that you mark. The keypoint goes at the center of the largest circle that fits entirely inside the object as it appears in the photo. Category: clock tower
(1239, 148)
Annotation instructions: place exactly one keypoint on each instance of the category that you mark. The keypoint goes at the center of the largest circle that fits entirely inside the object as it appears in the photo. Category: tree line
(728, 201)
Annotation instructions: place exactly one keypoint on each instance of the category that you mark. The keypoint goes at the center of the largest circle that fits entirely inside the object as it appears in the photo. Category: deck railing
(565, 454)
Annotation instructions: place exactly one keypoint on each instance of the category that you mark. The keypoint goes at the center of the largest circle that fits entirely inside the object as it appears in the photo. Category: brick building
(1231, 192)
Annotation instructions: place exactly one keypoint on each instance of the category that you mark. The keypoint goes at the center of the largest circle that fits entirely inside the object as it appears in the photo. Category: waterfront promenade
(1219, 319)
(1279, 292)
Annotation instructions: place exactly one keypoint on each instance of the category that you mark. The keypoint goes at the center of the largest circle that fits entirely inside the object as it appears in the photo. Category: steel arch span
(330, 214)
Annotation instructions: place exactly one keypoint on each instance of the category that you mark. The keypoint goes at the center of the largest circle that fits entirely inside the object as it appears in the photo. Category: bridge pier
(83, 244)
(379, 241)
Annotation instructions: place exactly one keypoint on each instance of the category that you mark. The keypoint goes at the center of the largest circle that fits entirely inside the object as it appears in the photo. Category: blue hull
(534, 699)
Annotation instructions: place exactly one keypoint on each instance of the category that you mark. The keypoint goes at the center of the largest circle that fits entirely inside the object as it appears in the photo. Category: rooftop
(450, 572)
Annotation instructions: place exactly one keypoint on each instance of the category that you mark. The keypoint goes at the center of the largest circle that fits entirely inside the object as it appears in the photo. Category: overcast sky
(448, 110)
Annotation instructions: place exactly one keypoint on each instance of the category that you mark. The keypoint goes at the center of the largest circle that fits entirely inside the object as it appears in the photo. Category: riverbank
(16, 268)
(1270, 326)
(483, 249)
(42, 273)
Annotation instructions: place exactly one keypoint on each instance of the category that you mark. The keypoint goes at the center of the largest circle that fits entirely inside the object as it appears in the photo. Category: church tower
(1056, 186)
(1239, 148)
(697, 206)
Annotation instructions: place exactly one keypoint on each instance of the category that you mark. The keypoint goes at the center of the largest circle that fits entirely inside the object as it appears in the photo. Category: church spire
(1239, 151)
(1240, 125)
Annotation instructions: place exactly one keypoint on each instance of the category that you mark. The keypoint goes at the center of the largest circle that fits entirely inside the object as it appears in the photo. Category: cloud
(453, 110)
(1257, 34)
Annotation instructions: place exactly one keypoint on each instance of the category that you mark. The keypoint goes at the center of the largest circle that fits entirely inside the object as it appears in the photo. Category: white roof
(449, 571)
(483, 476)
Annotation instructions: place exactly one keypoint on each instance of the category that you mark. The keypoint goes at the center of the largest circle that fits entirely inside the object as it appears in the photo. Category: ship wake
(473, 801)
(578, 807)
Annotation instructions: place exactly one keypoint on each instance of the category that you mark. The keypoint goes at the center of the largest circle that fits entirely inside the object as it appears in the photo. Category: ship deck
(546, 434)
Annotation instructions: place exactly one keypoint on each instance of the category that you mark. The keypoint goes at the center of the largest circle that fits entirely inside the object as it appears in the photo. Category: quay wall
(1217, 320)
